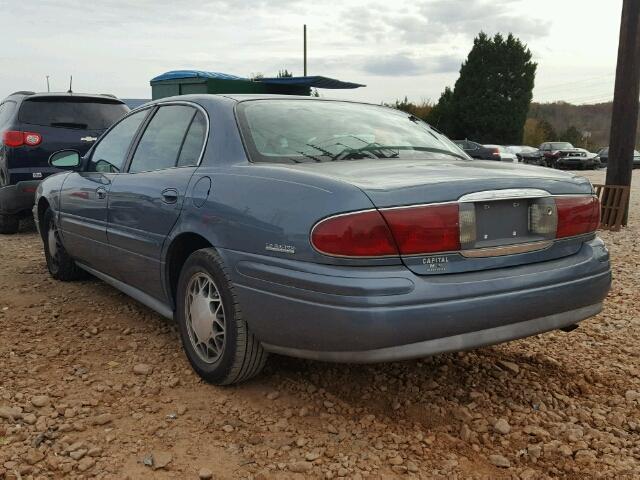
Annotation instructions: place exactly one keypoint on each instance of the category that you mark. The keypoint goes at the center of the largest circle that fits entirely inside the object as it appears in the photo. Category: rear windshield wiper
(79, 126)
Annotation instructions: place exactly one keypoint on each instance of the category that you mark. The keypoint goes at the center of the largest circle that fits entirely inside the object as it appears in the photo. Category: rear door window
(78, 113)
(193, 142)
(163, 138)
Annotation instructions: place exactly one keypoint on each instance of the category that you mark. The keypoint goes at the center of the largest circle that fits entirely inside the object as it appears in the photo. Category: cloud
(401, 64)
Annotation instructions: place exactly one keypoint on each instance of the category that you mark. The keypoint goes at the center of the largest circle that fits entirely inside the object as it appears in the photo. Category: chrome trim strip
(505, 194)
(506, 249)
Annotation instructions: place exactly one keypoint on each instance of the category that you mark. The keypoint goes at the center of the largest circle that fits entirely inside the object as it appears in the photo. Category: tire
(207, 306)
(9, 224)
(61, 266)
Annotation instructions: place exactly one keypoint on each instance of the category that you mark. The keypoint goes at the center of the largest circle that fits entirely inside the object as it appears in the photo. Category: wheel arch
(180, 248)
(43, 206)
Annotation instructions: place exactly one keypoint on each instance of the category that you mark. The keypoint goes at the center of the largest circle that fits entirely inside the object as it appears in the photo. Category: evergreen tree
(441, 115)
(284, 73)
(491, 98)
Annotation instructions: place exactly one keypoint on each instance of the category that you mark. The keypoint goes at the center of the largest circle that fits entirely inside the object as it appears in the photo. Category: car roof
(97, 96)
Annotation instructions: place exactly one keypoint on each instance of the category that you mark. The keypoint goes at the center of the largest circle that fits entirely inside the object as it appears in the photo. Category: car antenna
(70, 83)
(48, 89)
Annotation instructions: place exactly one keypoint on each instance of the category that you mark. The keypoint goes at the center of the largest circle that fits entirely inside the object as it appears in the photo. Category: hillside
(592, 121)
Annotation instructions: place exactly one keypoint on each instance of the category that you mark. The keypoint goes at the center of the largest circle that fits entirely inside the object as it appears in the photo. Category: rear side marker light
(15, 138)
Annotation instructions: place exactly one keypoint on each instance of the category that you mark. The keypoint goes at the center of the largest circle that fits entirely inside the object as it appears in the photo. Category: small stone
(40, 401)
(227, 428)
(300, 467)
(499, 461)
(10, 413)
(397, 460)
(142, 369)
(332, 429)
(33, 456)
(412, 467)
(311, 456)
(102, 419)
(161, 460)
(631, 395)
(78, 454)
(205, 474)
(273, 395)
(502, 426)
(29, 418)
(86, 463)
(514, 368)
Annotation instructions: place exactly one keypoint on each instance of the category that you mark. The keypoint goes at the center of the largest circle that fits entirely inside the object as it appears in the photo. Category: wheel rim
(53, 244)
(205, 317)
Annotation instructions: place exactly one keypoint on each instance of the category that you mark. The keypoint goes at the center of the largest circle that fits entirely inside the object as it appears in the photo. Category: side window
(110, 154)
(192, 146)
(6, 111)
(161, 141)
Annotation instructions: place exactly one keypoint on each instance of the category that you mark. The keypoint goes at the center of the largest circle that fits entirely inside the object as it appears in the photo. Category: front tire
(61, 266)
(215, 337)
(9, 224)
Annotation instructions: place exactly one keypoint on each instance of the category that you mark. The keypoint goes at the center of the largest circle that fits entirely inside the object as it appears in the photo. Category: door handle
(101, 193)
(170, 195)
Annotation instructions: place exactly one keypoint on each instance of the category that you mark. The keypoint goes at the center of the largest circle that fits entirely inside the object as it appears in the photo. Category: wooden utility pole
(624, 121)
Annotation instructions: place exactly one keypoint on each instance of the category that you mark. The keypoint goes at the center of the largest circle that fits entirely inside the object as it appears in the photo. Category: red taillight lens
(425, 229)
(15, 138)
(32, 139)
(495, 152)
(12, 138)
(577, 216)
(359, 234)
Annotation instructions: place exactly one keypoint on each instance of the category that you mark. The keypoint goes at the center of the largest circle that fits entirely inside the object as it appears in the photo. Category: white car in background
(502, 154)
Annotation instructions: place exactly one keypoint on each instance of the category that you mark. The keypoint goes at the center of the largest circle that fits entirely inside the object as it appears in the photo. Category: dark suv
(32, 127)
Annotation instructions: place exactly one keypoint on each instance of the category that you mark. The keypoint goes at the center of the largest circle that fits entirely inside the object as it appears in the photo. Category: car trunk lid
(502, 208)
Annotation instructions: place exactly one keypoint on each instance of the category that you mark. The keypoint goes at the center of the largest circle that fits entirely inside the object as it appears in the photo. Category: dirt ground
(94, 385)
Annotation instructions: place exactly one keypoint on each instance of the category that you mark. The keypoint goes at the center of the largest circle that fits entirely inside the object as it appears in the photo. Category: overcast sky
(413, 48)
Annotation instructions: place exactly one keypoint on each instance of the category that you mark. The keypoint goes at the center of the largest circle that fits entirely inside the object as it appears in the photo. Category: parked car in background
(502, 153)
(528, 155)
(320, 229)
(580, 159)
(477, 151)
(603, 157)
(33, 126)
(554, 150)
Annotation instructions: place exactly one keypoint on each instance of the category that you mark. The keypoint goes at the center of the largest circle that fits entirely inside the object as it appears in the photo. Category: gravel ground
(94, 385)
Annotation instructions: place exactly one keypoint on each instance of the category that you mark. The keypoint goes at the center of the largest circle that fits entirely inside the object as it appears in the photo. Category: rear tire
(9, 224)
(215, 336)
(61, 266)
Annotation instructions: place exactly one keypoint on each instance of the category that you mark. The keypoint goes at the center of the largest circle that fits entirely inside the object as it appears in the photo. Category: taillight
(15, 138)
(358, 234)
(495, 152)
(425, 229)
(577, 216)
(12, 138)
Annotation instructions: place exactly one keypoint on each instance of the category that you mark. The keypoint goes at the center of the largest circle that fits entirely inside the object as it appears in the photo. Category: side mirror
(65, 159)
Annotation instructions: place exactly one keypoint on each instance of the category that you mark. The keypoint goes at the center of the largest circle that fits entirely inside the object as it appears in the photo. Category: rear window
(297, 131)
(78, 113)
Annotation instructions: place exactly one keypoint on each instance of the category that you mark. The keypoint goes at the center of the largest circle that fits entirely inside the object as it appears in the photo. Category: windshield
(79, 113)
(561, 145)
(296, 131)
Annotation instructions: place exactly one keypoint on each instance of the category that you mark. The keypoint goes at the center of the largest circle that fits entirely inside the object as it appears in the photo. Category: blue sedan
(320, 229)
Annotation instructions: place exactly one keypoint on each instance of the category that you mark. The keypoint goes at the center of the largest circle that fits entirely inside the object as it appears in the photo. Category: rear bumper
(18, 198)
(388, 313)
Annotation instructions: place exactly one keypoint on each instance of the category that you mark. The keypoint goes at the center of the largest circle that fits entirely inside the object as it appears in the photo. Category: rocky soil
(94, 385)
